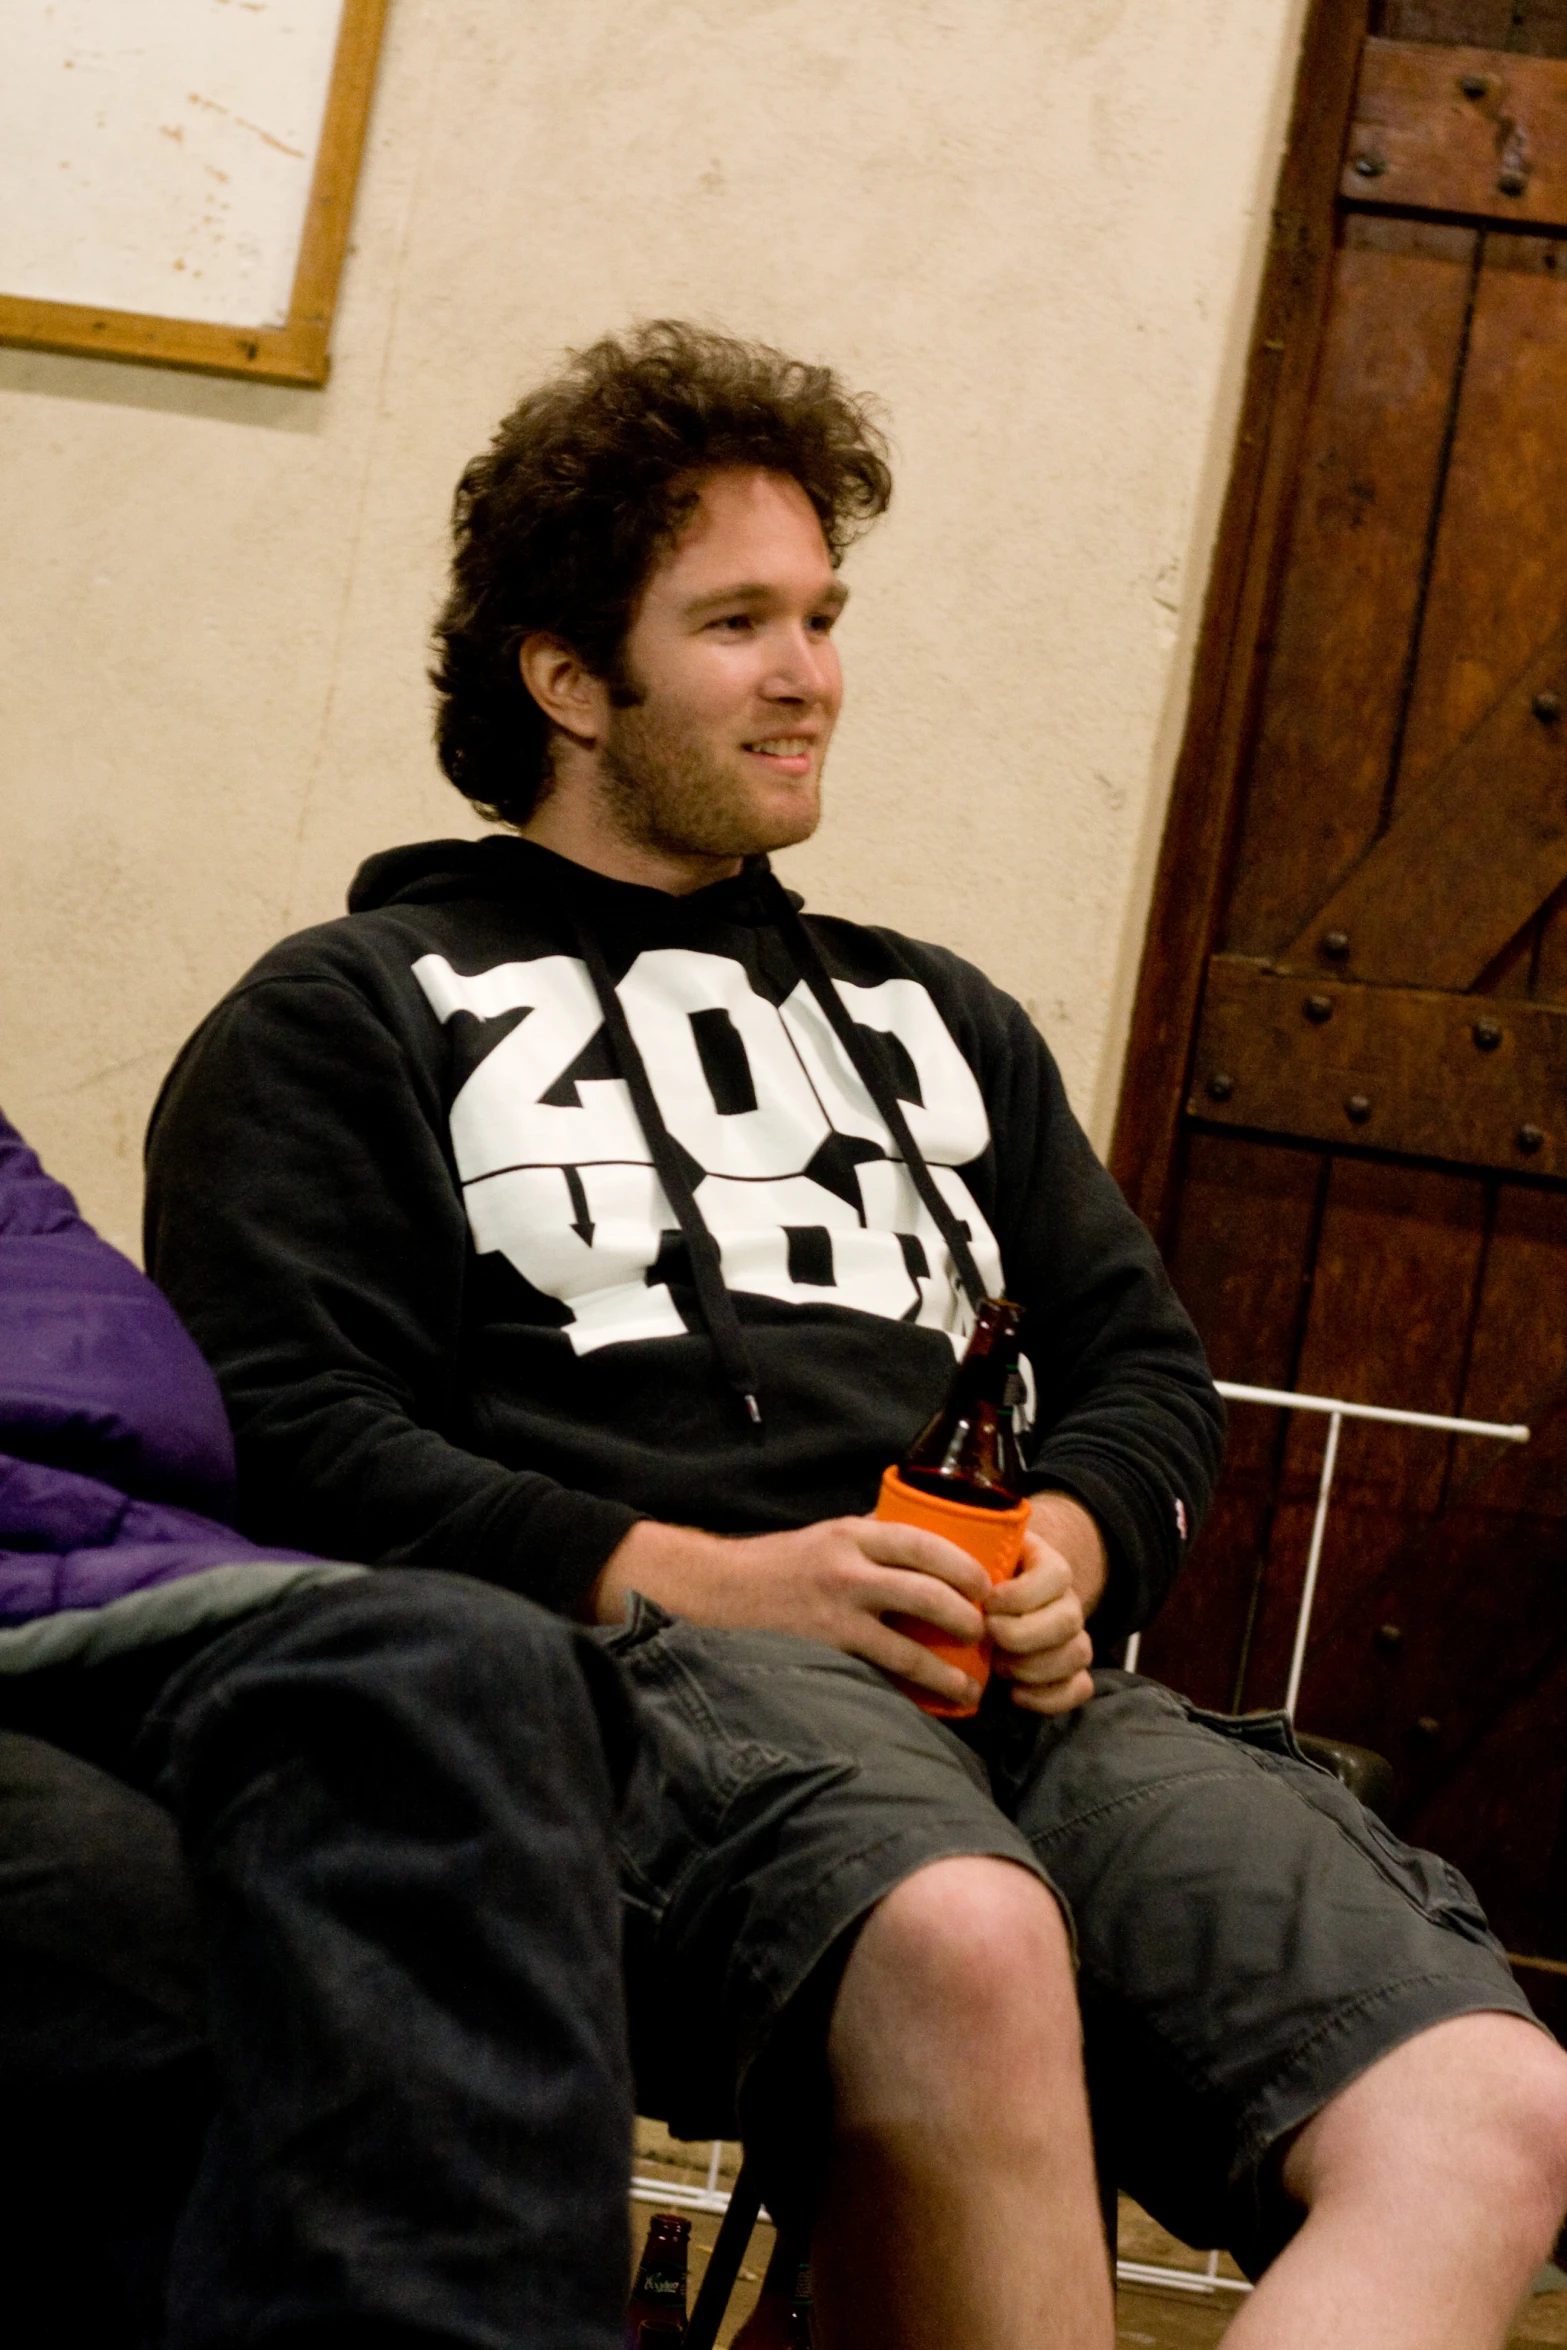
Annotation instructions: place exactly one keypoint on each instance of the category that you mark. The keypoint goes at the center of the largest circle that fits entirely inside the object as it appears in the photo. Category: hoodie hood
(503, 867)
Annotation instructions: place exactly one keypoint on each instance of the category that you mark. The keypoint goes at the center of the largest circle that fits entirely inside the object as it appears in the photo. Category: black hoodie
(442, 1228)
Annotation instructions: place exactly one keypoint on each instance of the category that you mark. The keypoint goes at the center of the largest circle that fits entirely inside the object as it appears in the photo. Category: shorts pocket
(1432, 1885)
(645, 1619)
(1266, 1733)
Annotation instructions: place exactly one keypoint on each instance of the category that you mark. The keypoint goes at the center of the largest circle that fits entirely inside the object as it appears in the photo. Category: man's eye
(824, 622)
(736, 623)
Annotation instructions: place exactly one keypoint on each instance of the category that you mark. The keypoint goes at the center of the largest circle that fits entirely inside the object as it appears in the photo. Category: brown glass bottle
(781, 2319)
(968, 1452)
(656, 2314)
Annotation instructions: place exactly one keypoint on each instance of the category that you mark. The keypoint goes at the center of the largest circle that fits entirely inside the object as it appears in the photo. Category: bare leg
(1434, 2185)
(960, 2205)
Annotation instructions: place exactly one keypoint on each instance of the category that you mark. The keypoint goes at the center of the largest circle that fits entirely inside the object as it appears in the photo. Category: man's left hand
(1037, 1620)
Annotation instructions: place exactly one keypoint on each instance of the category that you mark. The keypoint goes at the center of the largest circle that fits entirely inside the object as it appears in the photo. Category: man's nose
(800, 669)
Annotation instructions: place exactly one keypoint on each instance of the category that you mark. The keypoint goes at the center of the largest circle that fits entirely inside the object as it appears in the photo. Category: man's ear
(568, 693)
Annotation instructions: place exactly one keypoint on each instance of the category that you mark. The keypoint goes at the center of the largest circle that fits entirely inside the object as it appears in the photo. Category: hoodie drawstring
(724, 1325)
(872, 1075)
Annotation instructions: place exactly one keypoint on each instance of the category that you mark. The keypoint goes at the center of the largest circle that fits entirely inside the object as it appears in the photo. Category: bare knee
(979, 1934)
(962, 1975)
(1474, 2110)
(1529, 2120)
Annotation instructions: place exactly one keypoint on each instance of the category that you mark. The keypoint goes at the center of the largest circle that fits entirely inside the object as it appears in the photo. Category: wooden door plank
(1438, 1658)
(1499, 569)
(1539, 28)
(1518, 1361)
(1548, 971)
(1473, 1080)
(1481, 22)
(1469, 859)
(1489, 1799)
(1425, 1650)
(1469, 131)
(1193, 872)
(1333, 691)
(1397, 1261)
(1391, 1308)
(1531, 28)
(1485, 23)
(1511, 973)
(1240, 1262)
(1471, 1704)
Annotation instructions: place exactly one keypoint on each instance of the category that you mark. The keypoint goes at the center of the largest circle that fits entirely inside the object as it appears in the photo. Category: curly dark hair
(557, 526)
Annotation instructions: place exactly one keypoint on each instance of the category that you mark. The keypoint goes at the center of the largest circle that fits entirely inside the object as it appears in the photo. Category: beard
(663, 792)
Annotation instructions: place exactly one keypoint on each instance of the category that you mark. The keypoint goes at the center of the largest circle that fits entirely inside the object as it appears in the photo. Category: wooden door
(1346, 1100)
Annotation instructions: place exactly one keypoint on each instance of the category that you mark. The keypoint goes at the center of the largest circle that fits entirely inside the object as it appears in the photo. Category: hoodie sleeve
(304, 1218)
(1128, 1420)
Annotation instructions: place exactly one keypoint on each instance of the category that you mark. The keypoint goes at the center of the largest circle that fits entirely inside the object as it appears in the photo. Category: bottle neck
(992, 1348)
(662, 2273)
(968, 1451)
(980, 1381)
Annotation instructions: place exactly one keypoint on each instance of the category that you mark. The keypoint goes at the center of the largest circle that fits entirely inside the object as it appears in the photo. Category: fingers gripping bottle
(963, 1477)
(656, 2315)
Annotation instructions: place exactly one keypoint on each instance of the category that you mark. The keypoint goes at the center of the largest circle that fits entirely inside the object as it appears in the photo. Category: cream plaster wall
(1033, 226)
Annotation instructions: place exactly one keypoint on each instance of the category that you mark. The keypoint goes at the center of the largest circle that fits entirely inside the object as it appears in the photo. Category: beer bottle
(781, 2319)
(963, 1478)
(656, 2315)
(967, 1452)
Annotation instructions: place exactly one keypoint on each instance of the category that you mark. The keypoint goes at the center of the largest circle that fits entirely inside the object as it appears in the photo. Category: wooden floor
(1146, 2317)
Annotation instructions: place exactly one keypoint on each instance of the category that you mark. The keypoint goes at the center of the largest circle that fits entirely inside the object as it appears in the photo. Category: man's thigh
(1250, 1940)
(781, 1790)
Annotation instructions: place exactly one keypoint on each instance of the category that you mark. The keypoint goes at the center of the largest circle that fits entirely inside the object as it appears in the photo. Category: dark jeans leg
(105, 2084)
(397, 1801)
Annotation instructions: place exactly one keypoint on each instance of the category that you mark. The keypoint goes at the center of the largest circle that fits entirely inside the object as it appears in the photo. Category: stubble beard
(662, 792)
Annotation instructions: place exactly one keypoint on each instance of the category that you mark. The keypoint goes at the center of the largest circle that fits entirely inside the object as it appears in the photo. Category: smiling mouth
(790, 750)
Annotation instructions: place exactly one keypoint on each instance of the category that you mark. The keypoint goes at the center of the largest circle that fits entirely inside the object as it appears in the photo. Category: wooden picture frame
(294, 352)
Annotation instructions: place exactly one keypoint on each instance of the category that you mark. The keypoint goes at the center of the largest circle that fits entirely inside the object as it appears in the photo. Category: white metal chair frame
(1207, 2281)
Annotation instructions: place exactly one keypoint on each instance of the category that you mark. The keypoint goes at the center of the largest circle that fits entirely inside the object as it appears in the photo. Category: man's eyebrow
(755, 591)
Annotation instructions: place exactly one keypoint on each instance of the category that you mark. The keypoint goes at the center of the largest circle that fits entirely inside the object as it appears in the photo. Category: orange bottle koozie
(994, 1537)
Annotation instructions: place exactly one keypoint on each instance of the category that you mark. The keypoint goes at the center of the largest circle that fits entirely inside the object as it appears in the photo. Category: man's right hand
(834, 1582)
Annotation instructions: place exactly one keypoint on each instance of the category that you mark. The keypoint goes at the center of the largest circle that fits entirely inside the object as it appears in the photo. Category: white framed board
(177, 177)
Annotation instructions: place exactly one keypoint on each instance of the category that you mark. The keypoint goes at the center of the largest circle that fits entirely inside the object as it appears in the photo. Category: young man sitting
(578, 1215)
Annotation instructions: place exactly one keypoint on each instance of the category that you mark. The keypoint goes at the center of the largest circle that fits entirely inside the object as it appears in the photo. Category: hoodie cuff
(1137, 1578)
(550, 1546)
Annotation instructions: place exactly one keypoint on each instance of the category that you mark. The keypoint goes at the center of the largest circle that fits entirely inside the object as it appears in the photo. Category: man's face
(730, 653)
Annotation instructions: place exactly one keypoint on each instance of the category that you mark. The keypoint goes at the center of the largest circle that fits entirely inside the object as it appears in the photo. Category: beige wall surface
(1032, 226)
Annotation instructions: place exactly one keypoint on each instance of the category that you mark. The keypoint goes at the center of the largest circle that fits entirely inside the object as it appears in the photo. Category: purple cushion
(116, 1462)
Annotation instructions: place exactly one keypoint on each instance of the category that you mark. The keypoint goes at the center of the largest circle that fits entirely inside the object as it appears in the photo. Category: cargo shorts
(1248, 1937)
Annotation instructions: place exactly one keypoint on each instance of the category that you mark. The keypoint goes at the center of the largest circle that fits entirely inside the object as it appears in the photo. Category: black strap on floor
(874, 1078)
(718, 1307)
